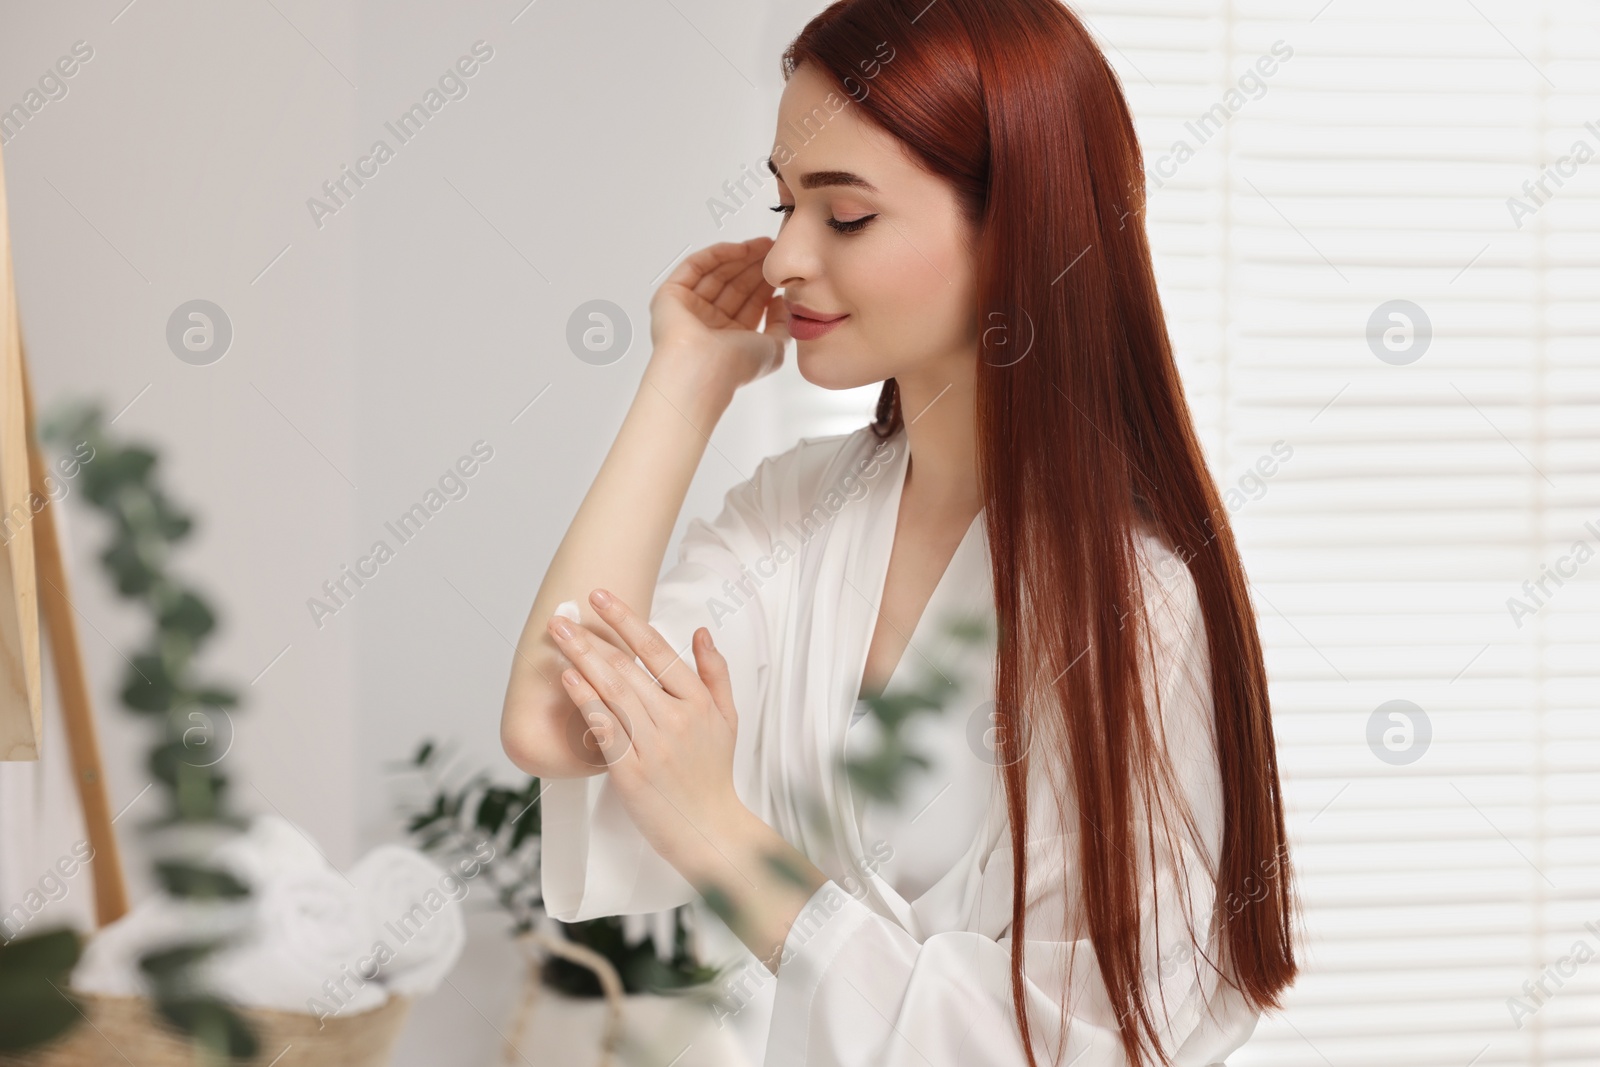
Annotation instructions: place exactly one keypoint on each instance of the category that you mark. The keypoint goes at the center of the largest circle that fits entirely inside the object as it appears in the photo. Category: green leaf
(527, 824)
(169, 964)
(172, 524)
(134, 464)
(493, 809)
(213, 696)
(429, 842)
(188, 615)
(32, 1011)
(71, 420)
(149, 687)
(969, 628)
(213, 1024)
(785, 869)
(421, 820)
(879, 775)
(423, 753)
(174, 759)
(181, 878)
(637, 965)
(721, 905)
(892, 710)
(871, 779)
(34, 1004)
(218, 820)
(51, 952)
(115, 469)
(200, 793)
(128, 566)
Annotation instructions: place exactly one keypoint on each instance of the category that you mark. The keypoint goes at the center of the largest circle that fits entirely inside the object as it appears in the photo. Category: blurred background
(1377, 228)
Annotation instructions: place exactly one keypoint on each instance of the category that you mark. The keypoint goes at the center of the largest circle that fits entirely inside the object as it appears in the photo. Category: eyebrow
(819, 179)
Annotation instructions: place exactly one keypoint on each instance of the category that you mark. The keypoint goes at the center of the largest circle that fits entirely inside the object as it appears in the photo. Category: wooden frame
(32, 558)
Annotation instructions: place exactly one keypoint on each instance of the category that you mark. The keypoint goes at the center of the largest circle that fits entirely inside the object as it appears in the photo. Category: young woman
(1092, 868)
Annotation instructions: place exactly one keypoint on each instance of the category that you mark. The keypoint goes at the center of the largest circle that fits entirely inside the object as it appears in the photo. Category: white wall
(369, 353)
(172, 170)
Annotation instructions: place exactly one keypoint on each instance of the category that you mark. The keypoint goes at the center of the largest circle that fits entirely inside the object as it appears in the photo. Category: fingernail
(561, 626)
(570, 677)
(601, 598)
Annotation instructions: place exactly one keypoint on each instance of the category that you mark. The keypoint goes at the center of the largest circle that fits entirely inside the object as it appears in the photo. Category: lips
(808, 324)
(803, 312)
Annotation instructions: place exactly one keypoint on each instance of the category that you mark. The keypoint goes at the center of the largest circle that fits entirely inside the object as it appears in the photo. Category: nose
(789, 262)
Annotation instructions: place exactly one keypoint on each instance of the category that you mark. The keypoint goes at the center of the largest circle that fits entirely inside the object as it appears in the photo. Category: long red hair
(1083, 439)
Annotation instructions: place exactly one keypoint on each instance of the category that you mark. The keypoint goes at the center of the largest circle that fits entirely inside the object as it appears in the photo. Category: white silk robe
(903, 957)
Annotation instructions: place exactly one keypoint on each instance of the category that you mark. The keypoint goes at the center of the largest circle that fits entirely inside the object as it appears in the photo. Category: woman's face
(903, 276)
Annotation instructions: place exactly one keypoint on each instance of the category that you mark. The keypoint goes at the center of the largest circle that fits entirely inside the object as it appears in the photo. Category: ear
(713, 668)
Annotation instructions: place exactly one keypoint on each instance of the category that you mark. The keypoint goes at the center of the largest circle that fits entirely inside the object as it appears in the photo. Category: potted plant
(615, 990)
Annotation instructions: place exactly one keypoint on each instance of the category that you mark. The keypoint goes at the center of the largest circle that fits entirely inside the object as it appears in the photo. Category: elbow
(533, 735)
(518, 745)
(525, 738)
(541, 730)
(526, 714)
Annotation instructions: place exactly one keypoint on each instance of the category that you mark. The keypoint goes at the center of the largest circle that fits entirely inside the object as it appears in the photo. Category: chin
(836, 370)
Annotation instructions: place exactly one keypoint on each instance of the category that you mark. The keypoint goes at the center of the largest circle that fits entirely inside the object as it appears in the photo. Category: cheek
(886, 296)
(911, 299)
(915, 297)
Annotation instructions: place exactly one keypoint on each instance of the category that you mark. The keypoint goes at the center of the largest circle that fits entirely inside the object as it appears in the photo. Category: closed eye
(842, 226)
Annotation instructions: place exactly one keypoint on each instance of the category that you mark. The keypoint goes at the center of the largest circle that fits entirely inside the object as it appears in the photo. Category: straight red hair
(1084, 435)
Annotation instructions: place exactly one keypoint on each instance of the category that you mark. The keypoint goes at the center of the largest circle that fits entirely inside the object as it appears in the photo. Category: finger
(755, 302)
(737, 291)
(715, 287)
(707, 272)
(654, 651)
(700, 300)
(776, 332)
(617, 679)
(724, 291)
(698, 264)
(777, 325)
(598, 736)
(713, 668)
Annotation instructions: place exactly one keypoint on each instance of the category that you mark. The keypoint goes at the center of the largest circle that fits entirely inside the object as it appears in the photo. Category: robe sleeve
(594, 861)
(854, 988)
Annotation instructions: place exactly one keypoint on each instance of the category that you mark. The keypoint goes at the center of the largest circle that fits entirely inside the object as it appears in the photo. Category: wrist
(728, 848)
(689, 383)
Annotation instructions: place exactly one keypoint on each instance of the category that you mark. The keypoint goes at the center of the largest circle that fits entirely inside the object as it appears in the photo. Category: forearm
(755, 878)
(618, 539)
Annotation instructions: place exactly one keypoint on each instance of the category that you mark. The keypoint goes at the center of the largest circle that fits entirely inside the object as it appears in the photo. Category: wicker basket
(123, 1030)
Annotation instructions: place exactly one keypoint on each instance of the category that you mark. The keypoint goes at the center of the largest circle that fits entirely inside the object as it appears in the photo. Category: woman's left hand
(669, 746)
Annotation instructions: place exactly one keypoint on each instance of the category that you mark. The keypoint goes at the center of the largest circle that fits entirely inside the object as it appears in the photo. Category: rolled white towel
(418, 905)
(312, 941)
(270, 847)
(110, 961)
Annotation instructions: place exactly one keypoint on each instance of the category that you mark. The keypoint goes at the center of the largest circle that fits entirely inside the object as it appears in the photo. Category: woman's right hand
(704, 319)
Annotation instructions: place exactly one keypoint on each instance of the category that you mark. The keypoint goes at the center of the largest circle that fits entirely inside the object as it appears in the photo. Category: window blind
(1377, 232)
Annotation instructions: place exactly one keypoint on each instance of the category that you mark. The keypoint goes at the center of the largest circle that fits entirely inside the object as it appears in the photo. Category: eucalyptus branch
(161, 682)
